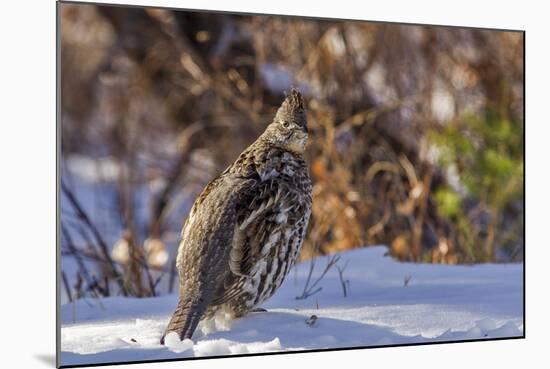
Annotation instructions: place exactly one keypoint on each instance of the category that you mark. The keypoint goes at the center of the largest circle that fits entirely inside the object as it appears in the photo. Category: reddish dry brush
(173, 97)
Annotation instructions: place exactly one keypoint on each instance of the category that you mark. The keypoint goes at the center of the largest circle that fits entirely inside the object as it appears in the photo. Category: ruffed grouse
(246, 228)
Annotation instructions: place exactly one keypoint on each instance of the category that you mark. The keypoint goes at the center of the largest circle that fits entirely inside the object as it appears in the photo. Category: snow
(439, 303)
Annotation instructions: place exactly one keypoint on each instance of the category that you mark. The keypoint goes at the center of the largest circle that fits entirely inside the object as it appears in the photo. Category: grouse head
(289, 127)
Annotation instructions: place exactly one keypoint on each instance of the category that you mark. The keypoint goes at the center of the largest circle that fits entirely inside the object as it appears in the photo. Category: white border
(27, 192)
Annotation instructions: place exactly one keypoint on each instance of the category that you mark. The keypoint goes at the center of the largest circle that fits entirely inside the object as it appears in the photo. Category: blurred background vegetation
(416, 134)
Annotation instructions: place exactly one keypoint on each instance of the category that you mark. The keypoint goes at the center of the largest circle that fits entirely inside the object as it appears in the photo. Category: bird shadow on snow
(294, 333)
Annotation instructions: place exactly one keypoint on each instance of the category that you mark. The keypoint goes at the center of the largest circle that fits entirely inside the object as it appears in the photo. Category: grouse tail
(185, 319)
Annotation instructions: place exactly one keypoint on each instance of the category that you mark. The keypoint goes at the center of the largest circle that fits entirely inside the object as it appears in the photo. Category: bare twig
(152, 284)
(310, 290)
(156, 282)
(66, 286)
(172, 278)
(102, 244)
(83, 269)
(344, 282)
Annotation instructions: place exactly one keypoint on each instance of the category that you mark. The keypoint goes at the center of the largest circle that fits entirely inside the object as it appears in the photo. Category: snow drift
(386, 303)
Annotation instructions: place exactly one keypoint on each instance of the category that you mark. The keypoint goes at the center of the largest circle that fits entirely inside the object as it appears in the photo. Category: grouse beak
(301, 135)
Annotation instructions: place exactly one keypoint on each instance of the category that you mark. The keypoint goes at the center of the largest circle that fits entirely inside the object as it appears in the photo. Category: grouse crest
(246, 228)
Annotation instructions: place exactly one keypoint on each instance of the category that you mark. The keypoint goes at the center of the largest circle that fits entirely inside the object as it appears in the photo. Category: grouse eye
(286, 124)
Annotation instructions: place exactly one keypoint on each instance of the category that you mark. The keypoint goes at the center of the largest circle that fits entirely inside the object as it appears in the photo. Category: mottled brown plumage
(246, 228)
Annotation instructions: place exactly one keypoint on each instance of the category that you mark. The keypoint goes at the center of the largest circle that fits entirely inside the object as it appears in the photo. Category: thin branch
(172, 277)
(159, 279)
(83, 269)
(310, 290)
(102, 244)
(152, 284)
(344, 282)
(66, 285)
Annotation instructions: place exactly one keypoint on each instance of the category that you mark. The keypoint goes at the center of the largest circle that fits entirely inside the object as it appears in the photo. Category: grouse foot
(258, 310)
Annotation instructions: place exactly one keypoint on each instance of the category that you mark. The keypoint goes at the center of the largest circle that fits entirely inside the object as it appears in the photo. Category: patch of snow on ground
(439, 303)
